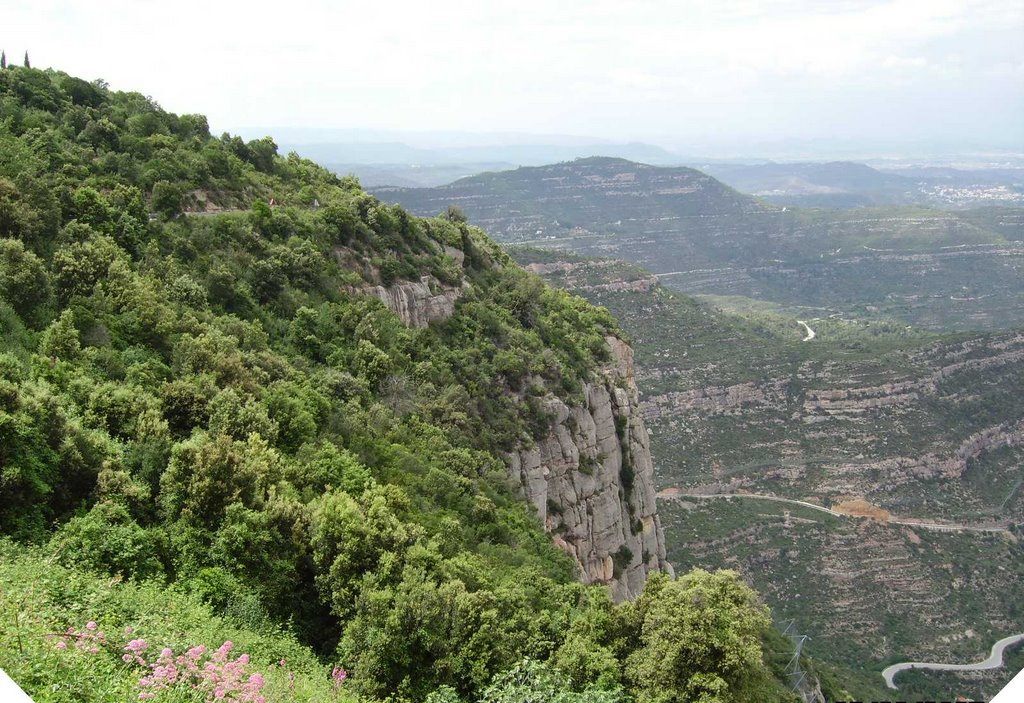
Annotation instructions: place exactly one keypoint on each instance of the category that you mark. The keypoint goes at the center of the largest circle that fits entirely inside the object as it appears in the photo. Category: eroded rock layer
(592, 481)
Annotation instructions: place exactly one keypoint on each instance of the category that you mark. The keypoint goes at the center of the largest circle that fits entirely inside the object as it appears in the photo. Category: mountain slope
(934, 269)
(869, 419)
(234, 382)
(832, 184)
(598, 194)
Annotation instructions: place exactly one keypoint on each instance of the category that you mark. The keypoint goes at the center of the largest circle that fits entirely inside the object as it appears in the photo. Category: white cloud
(614, 68)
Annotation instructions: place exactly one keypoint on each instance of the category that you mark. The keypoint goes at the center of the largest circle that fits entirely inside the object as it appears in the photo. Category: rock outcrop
(418, 303)
(592, 482)
(590, 478)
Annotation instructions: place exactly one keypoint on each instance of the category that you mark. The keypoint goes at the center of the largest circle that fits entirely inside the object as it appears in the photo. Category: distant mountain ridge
(933, 268)
(592, 194)
(523, 154)
(809, 177)
(846, 184)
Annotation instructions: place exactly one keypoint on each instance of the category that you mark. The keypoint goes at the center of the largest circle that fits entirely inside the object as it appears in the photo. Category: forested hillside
(254, 434)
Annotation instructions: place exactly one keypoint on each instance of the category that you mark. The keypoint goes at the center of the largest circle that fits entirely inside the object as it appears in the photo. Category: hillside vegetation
(226, 472)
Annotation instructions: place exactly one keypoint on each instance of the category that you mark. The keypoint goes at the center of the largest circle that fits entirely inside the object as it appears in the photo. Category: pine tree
(27, 64)
(3, 59)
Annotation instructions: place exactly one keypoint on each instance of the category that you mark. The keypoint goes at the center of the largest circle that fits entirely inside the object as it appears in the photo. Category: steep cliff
(590, 477)
(418, 303)
(592, 481)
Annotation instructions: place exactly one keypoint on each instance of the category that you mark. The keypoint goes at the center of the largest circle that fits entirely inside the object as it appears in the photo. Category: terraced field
(870, 418)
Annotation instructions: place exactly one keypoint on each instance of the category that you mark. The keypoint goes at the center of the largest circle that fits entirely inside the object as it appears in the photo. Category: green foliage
(531, 681)
(41, 600)
(700, 639)
(167, 199)
(214, 411)
(207, 474)
(108, 540)
(24, 281)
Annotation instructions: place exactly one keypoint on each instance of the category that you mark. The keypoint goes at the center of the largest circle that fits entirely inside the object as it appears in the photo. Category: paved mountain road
(937, 526)
(994, 661)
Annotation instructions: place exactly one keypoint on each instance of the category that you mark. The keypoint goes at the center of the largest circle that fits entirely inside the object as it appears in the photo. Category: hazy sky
(677, 72)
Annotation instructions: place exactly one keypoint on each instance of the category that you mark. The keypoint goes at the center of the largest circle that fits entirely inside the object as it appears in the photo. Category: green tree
(108, 540)
(699, 639)
(60, 339)
(532, 681)
(207, 473)
(167, 199)
(353, 537)
(23, 280)
(79, 266)
(262, 153)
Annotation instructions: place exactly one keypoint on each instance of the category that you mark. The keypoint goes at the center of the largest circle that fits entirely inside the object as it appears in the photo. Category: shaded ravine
(994, 661)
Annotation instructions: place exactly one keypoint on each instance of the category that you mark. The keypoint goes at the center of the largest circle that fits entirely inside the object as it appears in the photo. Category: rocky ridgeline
(848, 401)
(851, 478)
(819, 404)
(715, 400)
(592, 481)
(834, 431)
(417, 303)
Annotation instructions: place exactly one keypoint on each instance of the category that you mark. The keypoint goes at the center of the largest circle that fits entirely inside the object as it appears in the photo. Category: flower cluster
(89, 639)
(217, 675)
(338, 675)
(214, 674)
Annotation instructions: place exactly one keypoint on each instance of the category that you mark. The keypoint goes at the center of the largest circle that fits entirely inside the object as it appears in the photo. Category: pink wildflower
(136, 646)
(339, 675)
(91, 625)
(62, 645)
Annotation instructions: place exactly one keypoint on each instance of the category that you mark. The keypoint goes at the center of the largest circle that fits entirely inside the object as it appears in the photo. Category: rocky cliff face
(592, 481)
(418, 303)
(590, 478)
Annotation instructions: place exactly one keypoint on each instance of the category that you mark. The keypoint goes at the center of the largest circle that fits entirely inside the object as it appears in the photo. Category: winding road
(937, 526)
(994, 661)
(810, 333)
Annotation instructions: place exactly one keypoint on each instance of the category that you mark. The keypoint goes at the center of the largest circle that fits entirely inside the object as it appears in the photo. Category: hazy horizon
(701, 79)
